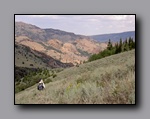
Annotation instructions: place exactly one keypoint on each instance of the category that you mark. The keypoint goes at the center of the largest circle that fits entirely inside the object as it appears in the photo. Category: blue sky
(82, 24)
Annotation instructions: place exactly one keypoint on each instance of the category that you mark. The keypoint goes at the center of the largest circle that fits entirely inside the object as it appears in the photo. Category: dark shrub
(31, 64)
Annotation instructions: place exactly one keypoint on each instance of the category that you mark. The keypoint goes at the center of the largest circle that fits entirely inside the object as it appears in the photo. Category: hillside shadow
(119, 107)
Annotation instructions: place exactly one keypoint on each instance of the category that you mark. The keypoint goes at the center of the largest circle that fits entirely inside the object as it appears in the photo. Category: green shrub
(54, 75)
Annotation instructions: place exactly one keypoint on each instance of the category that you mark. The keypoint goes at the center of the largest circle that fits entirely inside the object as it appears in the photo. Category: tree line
(111, 49)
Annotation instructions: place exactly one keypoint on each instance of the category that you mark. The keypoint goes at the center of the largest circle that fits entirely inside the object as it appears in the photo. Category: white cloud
(118, 17)
(83, 24)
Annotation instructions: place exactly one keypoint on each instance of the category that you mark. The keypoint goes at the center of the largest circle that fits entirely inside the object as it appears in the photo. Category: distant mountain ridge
(35, 33)
(114, 37)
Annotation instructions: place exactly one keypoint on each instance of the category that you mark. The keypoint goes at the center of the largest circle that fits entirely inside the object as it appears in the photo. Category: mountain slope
(37, 34)
(26, 57)
(110, 80)
(63, 35)
(31, 31)
(63, 46)
(115, 37)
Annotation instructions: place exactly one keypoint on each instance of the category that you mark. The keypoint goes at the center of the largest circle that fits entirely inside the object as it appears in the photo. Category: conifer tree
(117, 48)
(130, 43)
(120, 46)
(109, 46)
(126, 46)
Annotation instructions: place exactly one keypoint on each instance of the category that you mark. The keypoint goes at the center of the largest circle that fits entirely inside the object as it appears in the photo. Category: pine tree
(120, 46)
(117, 48)
(109, 46)
(126, 46)
(130, 43)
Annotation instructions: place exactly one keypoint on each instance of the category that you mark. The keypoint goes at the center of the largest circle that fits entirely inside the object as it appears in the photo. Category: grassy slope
(110, 80)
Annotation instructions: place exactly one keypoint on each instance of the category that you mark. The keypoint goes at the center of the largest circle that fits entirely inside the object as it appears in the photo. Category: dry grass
(110, 80)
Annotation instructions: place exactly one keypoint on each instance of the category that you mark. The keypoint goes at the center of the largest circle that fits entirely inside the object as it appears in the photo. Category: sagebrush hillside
(27, 57)
(110, 80)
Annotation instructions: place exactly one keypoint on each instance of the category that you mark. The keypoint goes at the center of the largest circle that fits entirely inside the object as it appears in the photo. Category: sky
(82, 24)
